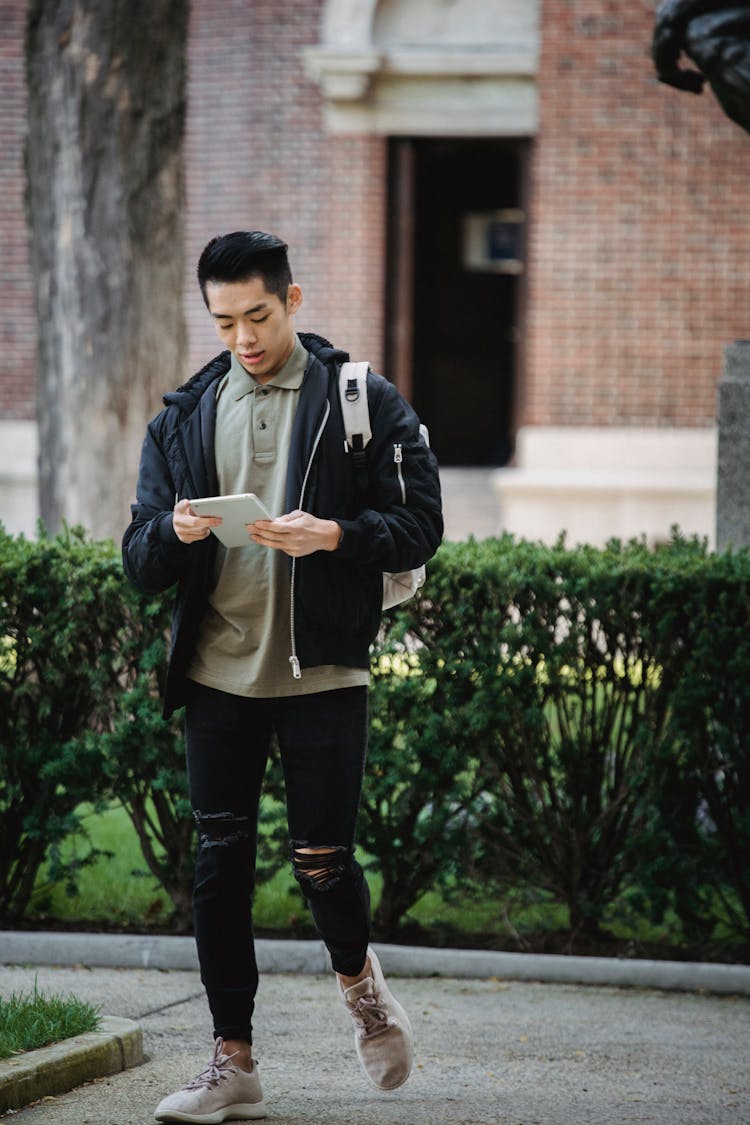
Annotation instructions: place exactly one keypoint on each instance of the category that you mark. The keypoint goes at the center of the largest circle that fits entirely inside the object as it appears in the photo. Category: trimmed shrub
(82, 659)
(571, 721)
(144, 755)
(421, 787)
(589, 708)
(60, 618)
(704, 779)
(588, 646)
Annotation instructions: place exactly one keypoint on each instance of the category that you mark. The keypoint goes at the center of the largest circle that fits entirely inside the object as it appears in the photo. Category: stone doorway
(454, 289)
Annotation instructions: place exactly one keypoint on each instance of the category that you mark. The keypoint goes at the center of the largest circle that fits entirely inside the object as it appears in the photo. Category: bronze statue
(715, 35)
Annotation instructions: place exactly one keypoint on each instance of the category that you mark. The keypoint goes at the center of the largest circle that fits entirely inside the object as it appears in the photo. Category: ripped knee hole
(319, 868)
(219, 830)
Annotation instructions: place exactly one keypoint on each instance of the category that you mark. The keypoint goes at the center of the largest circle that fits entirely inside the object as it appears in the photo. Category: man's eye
(260, 319)
(225, 327)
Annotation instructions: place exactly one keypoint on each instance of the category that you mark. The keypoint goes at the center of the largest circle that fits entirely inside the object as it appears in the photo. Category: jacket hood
(322, 349)
(187, 397)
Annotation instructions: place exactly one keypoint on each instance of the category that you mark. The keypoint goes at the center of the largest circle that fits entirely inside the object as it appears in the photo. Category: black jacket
(336, 596)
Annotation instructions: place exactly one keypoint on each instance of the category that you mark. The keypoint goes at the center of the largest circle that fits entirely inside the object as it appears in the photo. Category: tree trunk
(106, 81)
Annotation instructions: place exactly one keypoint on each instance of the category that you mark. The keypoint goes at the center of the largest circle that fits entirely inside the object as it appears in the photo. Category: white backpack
(398, 586)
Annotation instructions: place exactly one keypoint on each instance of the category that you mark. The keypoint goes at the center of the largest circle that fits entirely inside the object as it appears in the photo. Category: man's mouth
(251, 357)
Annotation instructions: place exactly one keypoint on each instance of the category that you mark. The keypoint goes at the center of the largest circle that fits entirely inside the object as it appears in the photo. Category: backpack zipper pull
(397, 455)
(296, 670)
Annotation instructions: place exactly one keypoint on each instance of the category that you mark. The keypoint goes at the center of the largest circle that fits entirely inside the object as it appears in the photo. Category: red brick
(637, 235)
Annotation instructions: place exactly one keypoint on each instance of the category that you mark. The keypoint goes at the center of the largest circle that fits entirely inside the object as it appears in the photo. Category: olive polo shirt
(244, 642)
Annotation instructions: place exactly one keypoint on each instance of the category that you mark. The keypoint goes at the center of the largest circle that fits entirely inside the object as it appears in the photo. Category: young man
(274, 636)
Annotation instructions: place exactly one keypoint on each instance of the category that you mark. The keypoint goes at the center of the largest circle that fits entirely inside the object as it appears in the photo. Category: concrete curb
(117, 1045)
(164, 952)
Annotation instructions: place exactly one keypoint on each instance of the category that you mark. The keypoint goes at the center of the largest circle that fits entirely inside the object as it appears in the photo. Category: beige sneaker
(220, 1092)
(383, 1034)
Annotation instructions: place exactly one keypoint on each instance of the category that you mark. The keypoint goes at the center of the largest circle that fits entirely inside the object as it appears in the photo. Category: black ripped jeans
(323, 740)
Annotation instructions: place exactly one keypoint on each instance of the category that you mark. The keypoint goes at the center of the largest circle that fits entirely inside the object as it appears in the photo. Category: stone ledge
(141, 951)
(628, 481)
(116, 1046)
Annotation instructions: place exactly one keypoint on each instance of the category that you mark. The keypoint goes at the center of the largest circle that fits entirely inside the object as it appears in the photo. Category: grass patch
(117, 891)
(510, 914)
(117, 888)
(34, 1019)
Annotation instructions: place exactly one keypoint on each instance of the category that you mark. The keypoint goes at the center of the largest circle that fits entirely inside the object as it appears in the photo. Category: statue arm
(670, 27)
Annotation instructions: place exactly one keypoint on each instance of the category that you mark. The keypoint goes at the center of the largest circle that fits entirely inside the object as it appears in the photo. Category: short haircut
(244, 254)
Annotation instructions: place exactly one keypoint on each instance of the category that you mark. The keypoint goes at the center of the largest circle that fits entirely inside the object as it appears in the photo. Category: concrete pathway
(490, 1052)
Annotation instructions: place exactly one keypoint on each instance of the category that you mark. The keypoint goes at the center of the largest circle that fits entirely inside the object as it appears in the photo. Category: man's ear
(293, 298)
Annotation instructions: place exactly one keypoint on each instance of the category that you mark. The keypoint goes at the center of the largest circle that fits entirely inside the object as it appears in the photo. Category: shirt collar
(293, 372)
(240, 383)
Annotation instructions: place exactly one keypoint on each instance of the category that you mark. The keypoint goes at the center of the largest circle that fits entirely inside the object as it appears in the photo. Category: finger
(271, 541)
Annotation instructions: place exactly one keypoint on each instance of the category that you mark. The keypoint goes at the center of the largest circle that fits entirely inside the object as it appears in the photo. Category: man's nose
(246, 334)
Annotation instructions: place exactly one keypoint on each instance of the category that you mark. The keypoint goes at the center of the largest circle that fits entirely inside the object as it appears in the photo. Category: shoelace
(370, 1015)
(217, 1069)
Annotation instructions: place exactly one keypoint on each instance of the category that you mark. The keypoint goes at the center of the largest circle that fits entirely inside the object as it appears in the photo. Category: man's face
(256, 326)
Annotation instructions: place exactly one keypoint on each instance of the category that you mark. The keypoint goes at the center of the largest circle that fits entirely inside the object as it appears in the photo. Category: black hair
(244, 254)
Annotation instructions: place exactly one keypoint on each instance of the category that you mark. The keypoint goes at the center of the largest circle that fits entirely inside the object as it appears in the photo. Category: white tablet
(236, 512)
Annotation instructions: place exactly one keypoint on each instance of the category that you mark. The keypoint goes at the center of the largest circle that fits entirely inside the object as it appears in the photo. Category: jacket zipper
(398, 458)
(294, 659)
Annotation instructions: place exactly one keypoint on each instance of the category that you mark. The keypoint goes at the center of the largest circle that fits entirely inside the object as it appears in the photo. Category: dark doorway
(455, 260)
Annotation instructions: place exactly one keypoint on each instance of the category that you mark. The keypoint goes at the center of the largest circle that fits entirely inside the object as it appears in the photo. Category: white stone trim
(19, 501)
(602, 482)
(433, 89)
(343, 76)
(348, 23)
(441, 107)
(489, 62)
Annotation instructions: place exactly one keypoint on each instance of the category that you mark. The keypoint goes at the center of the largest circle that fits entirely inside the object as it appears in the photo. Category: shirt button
(262, 426)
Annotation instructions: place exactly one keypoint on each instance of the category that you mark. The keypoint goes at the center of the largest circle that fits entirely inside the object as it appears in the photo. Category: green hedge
(592, 686)
(82, 659)
(61, 613)
(574, 721)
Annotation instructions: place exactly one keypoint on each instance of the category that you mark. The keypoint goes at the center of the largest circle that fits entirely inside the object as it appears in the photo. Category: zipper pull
(397, 455)
(296, 670)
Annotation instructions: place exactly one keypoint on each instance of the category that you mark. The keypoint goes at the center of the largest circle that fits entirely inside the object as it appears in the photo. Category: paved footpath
(490, 1052)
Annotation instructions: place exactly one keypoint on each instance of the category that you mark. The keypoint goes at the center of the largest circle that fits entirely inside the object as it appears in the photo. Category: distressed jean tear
(319, 868)
(219, 830)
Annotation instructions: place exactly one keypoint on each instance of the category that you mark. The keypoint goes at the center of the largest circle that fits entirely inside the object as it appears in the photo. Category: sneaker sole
(243, 1111)
(394, 1085)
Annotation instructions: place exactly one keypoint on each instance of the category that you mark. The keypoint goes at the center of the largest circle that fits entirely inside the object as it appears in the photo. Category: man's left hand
(296, 534)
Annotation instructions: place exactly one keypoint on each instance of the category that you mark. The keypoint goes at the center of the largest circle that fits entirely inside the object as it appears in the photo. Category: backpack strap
(356, 414)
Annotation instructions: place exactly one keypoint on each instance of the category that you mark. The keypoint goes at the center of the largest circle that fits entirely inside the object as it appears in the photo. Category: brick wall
(639, 239)
(17, 320)
(258, 158)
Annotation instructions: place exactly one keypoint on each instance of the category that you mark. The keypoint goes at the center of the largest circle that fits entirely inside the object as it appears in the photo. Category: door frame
(400, 270)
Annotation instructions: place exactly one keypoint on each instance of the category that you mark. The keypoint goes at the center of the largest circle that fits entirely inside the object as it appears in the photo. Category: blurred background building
(497, 204)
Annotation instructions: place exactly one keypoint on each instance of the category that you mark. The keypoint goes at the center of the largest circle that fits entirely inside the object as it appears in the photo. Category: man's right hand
(190, 528)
